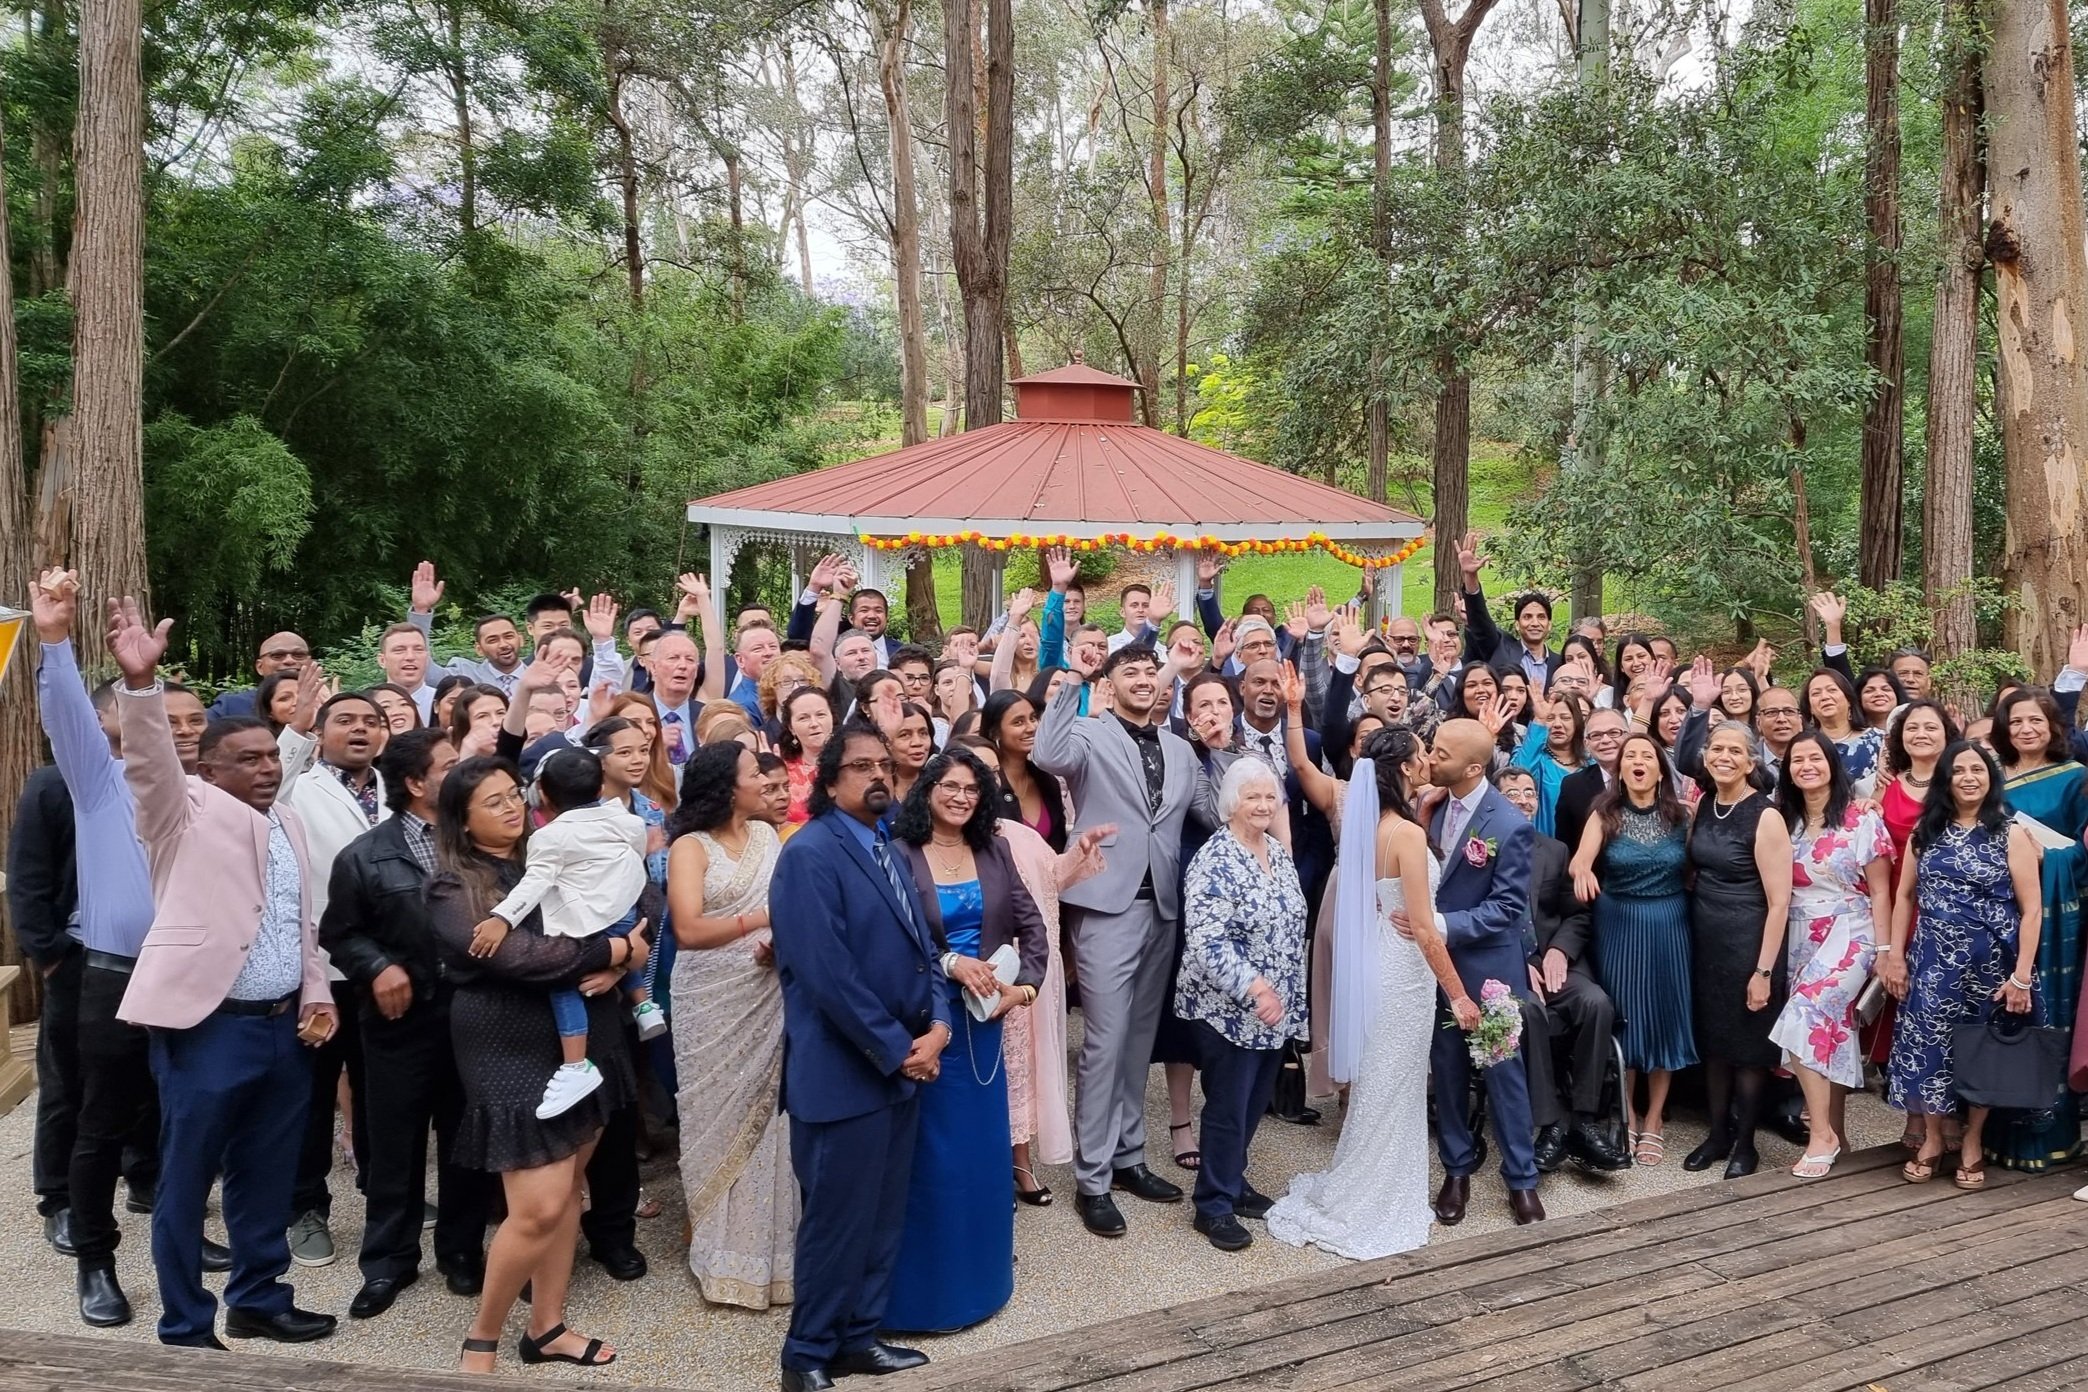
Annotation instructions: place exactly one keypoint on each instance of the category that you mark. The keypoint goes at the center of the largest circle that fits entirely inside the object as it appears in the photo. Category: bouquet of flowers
(1499, 1033)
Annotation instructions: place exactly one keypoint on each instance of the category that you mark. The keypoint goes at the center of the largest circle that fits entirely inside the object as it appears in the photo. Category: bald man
(280, 652)
(1483, 912)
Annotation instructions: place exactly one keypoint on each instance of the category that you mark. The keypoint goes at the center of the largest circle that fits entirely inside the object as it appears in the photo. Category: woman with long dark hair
(1841, 879)
(504, 1051)
(475, 719)
(1738, 690)
(1554, 748)
(956, 1262)
(1913, 745)
(1630, 866)
(728, 1033)
(400, 714)
(807, 718)
(1023, 792)
(1634, 657)
(1827, 703)
(1973, 875)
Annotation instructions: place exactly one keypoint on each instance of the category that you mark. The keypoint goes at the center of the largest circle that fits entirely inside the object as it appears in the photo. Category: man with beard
(864, 1024)
(1124, 771)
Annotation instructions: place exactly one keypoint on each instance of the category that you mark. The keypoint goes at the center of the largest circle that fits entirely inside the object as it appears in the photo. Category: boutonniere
(1478, 852)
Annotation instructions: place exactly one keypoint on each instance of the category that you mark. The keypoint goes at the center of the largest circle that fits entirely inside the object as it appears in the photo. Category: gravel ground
(1065, 1278)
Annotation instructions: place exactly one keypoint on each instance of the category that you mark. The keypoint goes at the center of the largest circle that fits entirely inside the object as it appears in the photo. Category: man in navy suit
(1483, 910)
(864, 1023)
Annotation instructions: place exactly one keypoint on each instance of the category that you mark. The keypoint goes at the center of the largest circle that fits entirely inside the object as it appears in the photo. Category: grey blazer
(1099, 760)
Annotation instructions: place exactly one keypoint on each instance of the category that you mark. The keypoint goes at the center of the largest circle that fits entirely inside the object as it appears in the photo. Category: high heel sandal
(1192, 1158)
(1039, 1197)
(536, 1351)
(491, 1346)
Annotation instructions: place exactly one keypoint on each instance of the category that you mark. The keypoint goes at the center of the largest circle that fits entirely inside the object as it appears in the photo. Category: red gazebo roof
(1072, 462)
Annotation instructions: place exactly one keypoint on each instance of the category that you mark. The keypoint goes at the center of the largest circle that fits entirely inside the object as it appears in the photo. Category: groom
(1483, 908)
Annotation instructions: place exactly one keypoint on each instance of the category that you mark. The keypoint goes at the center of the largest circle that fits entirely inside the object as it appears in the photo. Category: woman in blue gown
(2043, 782)
(956, 1261)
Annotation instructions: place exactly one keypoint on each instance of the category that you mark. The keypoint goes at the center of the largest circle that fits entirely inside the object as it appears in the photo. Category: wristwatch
(1765, 972)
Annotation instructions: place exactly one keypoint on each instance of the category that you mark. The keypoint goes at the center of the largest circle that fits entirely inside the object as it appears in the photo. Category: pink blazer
(208, 852)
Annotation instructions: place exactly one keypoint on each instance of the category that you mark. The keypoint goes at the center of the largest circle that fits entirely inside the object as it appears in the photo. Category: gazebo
(1075, 469)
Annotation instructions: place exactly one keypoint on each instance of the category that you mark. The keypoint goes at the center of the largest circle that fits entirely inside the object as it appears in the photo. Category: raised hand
(542, 673)
(54, 599)
(601, 701)
(2077, 649)
(826, 571)
(312, 693)
(695, 597)
(1496, 714)
(1209, 565)
(1060, 568)
(846, 580)
(601, 618)
(1469, 560)
(426, 589)
(886, 709)
(1294, 619)
(1163, 602)
(1293, 688)
(573, 597)
(1345, 631)
(1222, 644)
(1019, 607)
(136, 648)
(1702, 682)
(1762, 660)
(1317, 612)
(1832, 609)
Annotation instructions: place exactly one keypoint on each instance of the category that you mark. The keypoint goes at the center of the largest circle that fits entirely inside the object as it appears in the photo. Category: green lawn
(1497, 479)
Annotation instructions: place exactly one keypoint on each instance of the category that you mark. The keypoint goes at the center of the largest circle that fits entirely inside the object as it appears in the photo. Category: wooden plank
(2031, 1361)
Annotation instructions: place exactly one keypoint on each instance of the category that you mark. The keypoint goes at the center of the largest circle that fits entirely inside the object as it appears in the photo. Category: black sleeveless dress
(1727, 910)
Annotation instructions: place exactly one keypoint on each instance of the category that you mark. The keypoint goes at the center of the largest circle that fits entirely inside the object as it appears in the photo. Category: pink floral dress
(1832, 943)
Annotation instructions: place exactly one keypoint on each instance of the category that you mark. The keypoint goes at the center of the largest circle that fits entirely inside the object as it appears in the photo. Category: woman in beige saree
(728, 1034)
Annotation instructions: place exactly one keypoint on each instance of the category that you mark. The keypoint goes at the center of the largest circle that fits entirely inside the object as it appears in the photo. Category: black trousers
(610, 1223)
(57, 1083)
(118, 1118)
(1537, 1065)
(409, 1084)
(1237, 1084)
(1582, 1010)
(315, 1155)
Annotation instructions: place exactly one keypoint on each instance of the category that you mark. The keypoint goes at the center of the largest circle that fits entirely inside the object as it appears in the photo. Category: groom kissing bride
(1422, 921)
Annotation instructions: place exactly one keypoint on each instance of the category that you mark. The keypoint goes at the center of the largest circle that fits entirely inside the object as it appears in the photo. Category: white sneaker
(568, 1085)
(652, 1021)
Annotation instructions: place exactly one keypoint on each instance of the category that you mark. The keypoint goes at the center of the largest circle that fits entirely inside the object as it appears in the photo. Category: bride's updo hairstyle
(1390, 750)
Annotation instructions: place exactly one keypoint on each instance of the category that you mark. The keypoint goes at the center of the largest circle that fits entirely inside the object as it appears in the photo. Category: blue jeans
(569, 1007)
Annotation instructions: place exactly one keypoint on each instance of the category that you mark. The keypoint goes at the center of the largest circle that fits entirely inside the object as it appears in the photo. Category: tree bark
(460, 106)
(1884, 426)
(1801, 529)
(106, 284)
(1953, 391)
(1377, 460)
(2034, 240)
(616, 68)
(1163, 237)
(981, 193)
(1590, 20)
(20, 746)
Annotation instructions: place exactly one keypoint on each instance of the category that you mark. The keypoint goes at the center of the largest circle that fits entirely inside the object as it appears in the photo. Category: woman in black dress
(506, 1045)
(1740, 851)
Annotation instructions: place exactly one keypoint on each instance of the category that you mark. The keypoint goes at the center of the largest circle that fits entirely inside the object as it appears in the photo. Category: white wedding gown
(1374, 1202)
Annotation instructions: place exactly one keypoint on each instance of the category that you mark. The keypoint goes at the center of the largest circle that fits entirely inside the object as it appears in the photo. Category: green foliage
(1881, 622)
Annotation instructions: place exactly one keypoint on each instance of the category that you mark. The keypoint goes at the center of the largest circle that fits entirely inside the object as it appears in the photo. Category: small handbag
(2003, 1060)
(1870, 1002)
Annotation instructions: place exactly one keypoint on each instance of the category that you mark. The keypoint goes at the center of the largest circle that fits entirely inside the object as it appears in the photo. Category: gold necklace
(952, 866)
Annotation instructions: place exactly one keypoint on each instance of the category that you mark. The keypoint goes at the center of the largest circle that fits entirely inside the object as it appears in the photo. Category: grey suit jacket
(1099, 761)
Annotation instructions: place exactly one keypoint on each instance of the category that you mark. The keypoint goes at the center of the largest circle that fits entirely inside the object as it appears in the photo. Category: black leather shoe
(58, 1232)
(622, 1263)
(1304, 1116)
(1742, 1163)
(1551, 1147)
(1592, 1150)
(208, 1341)
(138, 1198)
(807, 1380)
(293, 1326)
(1714, 1149)
(877, 1360)
(1450, 1200)
(463, 1278)
(1791, 1126)
(1524, 1204)
(1225, 1232)
(1252, 1203)
(377, 1296)
(1099, 1212)
(216, 1256)
(102, 1301)
(1142, 1183)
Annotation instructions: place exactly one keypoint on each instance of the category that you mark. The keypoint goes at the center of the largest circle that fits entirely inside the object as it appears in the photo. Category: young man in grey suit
(1124, 769)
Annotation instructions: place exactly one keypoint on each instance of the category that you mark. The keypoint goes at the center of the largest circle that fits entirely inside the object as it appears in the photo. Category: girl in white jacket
(586, 870)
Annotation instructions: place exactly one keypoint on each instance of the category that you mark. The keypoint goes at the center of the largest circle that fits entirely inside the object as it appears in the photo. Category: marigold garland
(1021, 541)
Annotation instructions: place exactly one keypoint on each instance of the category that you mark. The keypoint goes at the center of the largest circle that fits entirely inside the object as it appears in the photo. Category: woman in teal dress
(1630, 863)
(2044, 783)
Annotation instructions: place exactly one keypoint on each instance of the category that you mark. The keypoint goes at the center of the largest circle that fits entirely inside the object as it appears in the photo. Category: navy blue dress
(1970, 927)
(1642, 940)
(957, 1256)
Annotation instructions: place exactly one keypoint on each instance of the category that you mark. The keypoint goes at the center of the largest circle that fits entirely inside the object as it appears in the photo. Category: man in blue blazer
(1483, 910)
(864, 1023)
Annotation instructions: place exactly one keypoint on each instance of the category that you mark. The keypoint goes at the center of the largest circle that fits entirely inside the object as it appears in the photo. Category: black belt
(235, 1006)
(110, 961)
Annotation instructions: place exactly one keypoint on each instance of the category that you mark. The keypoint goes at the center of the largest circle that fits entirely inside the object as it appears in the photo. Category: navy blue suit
(861, 981)
(1486, 911)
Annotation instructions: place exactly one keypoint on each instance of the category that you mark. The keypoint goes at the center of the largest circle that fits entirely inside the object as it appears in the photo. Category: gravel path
(1064, 1277)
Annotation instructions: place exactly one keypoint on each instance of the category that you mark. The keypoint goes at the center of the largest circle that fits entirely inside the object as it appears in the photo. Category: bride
(1374, 1202)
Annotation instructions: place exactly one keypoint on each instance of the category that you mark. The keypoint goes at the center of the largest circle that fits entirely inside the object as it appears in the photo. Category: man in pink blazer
(232, 989)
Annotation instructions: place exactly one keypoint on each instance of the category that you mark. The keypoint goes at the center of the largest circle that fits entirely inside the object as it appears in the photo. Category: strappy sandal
(1921, 1169)
(1192, 1158)
(1039, 1197)
(648, 1207)
(1971, 1176)
(491, 1346)
(536, 1350)
(1651, 1148)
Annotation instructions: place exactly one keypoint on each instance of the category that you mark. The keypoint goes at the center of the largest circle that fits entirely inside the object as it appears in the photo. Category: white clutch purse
(1005, 964)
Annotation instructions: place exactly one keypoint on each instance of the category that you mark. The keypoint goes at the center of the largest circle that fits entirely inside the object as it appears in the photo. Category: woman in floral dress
(1840, 892)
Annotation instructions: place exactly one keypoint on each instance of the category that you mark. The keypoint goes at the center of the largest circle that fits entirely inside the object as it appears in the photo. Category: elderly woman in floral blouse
(1242, 988)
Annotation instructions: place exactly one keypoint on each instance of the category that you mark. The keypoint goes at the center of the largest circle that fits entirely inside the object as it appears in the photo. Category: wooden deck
(1859, 1281)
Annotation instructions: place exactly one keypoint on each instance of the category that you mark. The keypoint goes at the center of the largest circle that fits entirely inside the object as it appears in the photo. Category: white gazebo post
(1391, 591)
(724, 545)
(1185, 583)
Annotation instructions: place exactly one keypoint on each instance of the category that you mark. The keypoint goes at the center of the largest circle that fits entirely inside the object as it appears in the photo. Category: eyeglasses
(959, 792)
(1402, 642)
(501, 802)
(1771, 712)
(286, 654)
(866, 767)
(1594, 735)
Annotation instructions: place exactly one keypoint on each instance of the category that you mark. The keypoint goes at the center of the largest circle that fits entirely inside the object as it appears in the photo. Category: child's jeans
(569, 1007)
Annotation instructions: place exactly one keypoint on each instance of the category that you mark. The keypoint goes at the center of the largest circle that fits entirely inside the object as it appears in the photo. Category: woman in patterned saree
(728, 1034)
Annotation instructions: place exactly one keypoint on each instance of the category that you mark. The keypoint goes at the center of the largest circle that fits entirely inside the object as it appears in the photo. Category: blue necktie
(881, 851)
(677, 750)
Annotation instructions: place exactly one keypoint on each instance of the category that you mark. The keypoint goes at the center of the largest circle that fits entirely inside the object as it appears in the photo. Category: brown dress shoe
(1524, 1205)
(1450, 1200)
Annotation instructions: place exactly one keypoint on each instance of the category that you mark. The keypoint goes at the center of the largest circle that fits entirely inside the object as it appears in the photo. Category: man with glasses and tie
(280, 652)
(864, 1022)
(1776, 720)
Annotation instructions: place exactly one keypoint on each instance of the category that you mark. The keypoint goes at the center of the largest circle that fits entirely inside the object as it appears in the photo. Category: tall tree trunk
(460, 108)
(1584, 450)
(616, 67)
(981, 193)
(2034, 240)
(106, 284)
(1801, 528)
(1377, 460)
(1884, 427)
(20, 746)
(797, 161)
(1953, 390)
(1163, 239)
(736, 256)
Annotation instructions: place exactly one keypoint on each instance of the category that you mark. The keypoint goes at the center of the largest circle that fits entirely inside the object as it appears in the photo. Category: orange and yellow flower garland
(936, 541)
